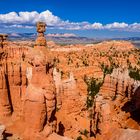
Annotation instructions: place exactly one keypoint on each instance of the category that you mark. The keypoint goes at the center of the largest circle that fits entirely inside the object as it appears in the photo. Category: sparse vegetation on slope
(106, 69)
(134, 73)
(93, 87)
(79, 138)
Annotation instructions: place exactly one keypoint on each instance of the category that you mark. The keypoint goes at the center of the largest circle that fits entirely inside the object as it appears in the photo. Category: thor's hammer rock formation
(41, 40)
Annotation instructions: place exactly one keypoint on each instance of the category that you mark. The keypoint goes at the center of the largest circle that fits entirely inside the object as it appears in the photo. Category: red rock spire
(41, 40)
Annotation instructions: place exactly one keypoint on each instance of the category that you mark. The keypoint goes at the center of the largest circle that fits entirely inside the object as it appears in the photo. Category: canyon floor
(80, 92)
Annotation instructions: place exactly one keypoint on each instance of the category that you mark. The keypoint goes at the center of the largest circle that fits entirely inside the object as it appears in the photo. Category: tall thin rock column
(41, 40)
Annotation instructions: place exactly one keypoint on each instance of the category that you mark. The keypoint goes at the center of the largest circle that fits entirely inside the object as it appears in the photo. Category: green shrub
(85, 63)
(93, 87)
(62, 73)
(107, 70)
(70, 61)
(89, 102)
(79, 138)
(56, 61)
(57, 109)
(138, 63)
(85, 133)
(135, 74)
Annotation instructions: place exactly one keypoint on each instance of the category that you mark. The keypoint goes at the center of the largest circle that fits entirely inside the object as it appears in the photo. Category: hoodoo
(41, 40)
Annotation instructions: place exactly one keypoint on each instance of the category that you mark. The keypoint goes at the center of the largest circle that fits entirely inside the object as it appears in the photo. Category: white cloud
(88, 26)
(135, 27)
(97, 26)
(61, 35)
(116, 25)
(29, 19)
(18, 26)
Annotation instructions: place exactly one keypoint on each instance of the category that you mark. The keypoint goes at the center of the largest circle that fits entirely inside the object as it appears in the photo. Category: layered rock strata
(27, 92)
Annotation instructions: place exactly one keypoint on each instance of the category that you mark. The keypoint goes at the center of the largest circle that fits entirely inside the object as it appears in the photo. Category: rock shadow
(61, 129)
(133, 106)
(7, 136)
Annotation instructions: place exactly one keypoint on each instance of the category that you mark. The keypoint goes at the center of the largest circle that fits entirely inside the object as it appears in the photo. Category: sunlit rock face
(117, 89)
(116, 107)
(27, 92)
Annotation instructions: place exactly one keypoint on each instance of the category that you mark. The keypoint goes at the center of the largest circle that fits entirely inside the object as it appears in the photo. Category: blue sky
(92, 18)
